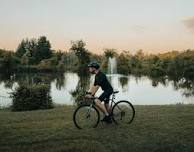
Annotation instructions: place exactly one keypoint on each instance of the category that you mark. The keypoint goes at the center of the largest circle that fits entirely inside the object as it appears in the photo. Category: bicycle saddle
(114, 92)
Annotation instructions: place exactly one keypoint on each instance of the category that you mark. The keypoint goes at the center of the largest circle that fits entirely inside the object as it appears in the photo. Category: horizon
(152, 26)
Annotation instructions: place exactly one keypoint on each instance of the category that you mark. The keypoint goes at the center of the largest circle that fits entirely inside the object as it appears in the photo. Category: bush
(31, 98)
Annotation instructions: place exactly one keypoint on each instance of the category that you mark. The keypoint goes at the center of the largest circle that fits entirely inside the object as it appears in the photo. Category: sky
(151, 25)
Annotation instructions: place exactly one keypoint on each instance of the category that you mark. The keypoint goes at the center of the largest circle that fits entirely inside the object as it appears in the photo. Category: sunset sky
(152, 25)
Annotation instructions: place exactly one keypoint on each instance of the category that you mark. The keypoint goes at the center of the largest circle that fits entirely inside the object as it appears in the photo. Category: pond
(139, 90)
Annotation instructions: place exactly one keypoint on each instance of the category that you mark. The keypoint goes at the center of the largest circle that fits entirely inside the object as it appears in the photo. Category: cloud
(189, 23)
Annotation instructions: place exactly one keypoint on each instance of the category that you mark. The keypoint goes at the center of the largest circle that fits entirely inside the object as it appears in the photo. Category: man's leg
(106, 102)
(108, 108)
(101, 107)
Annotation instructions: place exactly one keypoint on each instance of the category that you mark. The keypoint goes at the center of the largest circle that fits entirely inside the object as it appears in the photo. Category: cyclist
(100, 81)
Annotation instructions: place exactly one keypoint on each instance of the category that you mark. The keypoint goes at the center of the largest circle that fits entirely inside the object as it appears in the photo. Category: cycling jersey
(102, 81)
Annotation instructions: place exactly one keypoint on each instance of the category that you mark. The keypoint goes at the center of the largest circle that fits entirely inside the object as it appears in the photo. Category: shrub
(31, 98)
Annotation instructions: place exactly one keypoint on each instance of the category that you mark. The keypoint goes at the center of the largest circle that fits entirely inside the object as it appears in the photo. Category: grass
(155, 129)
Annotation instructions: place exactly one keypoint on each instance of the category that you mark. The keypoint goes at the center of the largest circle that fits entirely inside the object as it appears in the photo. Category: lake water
(138, 90)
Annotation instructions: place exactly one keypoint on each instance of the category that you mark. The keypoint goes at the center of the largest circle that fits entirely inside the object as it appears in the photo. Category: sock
(107, 114)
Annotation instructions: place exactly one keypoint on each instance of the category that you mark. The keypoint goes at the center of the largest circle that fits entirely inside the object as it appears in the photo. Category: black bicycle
(88, 116)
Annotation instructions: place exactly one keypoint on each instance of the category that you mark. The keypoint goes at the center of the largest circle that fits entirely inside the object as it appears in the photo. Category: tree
(8, 61)
(109, 53)
(43, 49)
(22, 47)
(82, 54)
(33, 51)
(123, 63)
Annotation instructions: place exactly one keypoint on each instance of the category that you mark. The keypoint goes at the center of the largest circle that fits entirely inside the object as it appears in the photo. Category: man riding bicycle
(100, 81)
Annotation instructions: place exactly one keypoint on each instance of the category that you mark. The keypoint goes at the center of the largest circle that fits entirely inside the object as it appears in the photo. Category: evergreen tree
(43, 49)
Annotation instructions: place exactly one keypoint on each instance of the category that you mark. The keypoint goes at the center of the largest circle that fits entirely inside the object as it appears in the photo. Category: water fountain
(112, 65)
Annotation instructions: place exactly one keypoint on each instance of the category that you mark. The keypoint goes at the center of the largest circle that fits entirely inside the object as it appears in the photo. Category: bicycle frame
(111, 99)
(110, 106)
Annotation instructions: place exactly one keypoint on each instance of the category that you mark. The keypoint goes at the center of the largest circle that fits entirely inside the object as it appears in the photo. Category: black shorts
(105, 96)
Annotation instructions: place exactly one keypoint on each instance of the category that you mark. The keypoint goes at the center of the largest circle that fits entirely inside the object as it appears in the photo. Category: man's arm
(94, 89)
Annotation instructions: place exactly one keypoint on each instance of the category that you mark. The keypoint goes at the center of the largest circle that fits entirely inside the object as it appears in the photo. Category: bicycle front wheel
(123, 112)
(86, 116)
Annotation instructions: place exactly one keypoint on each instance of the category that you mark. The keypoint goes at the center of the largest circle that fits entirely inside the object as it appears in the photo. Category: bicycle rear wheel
(86, 116)
(123, 112)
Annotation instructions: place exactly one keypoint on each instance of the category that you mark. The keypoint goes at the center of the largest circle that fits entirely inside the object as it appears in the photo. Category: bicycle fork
(88, 112)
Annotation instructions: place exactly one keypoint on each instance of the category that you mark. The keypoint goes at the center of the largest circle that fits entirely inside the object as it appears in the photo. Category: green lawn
(155, 129)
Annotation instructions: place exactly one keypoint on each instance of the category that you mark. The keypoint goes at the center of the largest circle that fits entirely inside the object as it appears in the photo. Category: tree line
(174, 64)
(34, 55)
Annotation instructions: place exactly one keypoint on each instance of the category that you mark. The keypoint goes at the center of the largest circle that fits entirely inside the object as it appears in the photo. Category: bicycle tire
(119, 104)
(76, 113)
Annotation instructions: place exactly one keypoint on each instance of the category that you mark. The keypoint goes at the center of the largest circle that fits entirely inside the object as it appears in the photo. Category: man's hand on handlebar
(88, 96)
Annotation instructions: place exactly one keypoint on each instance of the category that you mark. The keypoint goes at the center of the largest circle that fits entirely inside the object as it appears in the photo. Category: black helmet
(94, 64)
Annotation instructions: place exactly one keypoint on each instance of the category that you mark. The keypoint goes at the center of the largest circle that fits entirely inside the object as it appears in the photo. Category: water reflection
(186, 86)
(62, 92)
(123, 81)
(157, 81)
(68, 87)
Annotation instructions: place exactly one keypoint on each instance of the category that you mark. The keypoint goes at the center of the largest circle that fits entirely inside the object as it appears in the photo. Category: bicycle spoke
(123, 112)
(86, 117)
